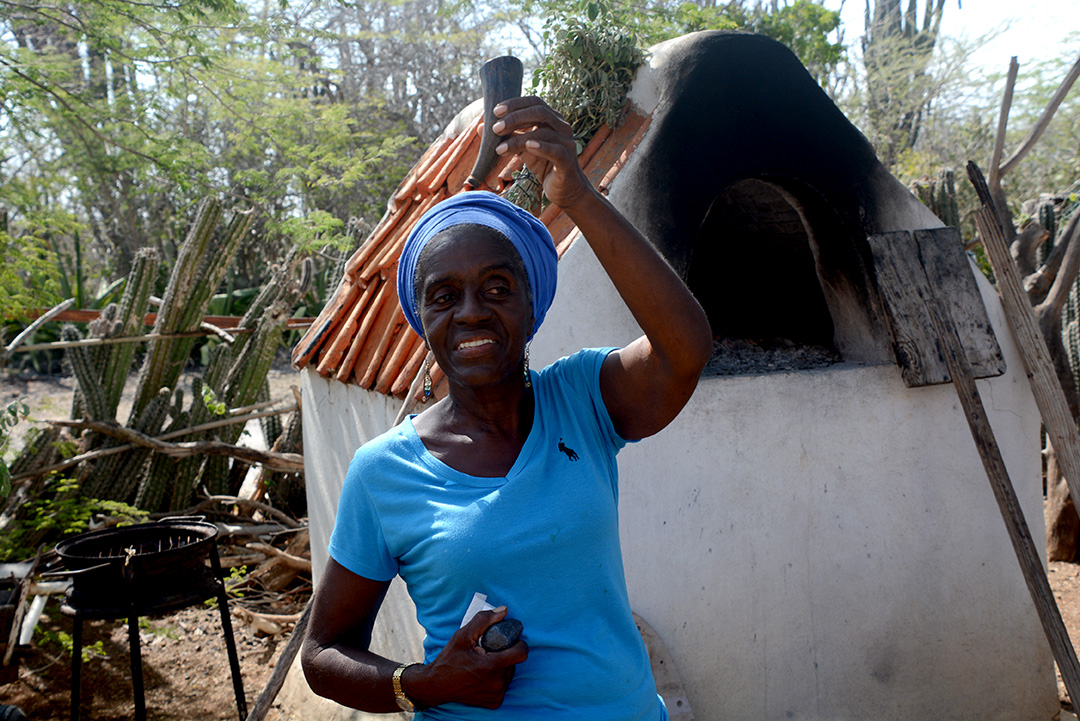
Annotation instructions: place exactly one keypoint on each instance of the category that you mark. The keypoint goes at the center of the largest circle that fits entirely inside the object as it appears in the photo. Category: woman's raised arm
(648, 382)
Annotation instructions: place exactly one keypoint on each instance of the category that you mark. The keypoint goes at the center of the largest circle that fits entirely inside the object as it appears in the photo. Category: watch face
(405, 704)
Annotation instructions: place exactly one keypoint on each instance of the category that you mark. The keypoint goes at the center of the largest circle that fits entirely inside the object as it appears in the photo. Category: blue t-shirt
(543, 540)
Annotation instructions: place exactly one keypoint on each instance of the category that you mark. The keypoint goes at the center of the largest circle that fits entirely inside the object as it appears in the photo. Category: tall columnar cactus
(199, 268)
(87, 375)
(1070, 315)
(129, 319)
(1047, 217)
(117, 480)
(287, 489)
(157, 483)
(939, 195)
(102, 370)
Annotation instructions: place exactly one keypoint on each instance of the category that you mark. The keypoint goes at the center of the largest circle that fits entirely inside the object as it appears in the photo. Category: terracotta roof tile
(405, 378)
(351, 336)
(361, 335)
(330, 358)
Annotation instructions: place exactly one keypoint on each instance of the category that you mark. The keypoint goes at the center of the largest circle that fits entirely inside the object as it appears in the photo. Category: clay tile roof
(361, 335)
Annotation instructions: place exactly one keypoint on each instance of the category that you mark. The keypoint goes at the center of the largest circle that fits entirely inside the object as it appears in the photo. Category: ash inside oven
(740, 356)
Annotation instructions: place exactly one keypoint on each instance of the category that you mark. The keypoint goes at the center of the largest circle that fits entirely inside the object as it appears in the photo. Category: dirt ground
(185, 669)
(185, 665)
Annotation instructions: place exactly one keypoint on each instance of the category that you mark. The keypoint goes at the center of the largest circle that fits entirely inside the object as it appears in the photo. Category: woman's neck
(478, 431)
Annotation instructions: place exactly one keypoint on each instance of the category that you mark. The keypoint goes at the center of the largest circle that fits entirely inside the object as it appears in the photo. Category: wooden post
(1026, 551)
(281, 670)
(1054, 409)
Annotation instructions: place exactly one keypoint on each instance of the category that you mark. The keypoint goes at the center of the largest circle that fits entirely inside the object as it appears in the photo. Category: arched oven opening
(777, 300)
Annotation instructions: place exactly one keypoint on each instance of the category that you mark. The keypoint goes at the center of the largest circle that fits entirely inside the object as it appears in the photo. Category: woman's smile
(474, 343)
(474, 305)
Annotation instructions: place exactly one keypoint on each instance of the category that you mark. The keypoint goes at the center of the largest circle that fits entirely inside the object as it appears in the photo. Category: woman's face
(474, 304)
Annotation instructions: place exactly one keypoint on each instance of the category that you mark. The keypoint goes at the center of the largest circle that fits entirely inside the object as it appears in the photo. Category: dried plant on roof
(587, 75)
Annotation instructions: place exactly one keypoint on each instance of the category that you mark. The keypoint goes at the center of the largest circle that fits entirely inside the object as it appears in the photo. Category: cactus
(1047, 217)
(270, 425)
(82, 359)
(117, 479)
(1070, 315)
(39, 451)
(939, 195)
(156, 485)
(288, 488)
(187, 471)
(236, 372)
(249, 369)
(102, 370)
(198, 271)
(215, 475)
(129, 322)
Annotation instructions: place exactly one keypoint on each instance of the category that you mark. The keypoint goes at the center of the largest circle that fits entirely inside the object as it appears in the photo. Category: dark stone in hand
(502, 635)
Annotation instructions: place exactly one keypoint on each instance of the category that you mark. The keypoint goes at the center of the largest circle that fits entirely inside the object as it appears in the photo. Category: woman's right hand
(464, 672)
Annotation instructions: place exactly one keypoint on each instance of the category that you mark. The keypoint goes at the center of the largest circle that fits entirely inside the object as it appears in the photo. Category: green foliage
(213, 405)
(805, 26)
(234, 582)
(163, 631)
(29, 276)
(63, 641)
(56, 513)
(120, 116)
(587, 75)
(9, 418)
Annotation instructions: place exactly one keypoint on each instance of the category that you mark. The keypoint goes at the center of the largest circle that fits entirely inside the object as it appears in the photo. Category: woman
(508, 486)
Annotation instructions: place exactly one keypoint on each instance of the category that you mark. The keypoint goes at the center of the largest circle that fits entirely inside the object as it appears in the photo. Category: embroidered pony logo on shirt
(570, 453)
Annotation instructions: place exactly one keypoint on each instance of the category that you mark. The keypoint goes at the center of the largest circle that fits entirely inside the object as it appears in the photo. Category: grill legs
(230, 647)
(136, 660)
(76, 666)
(136, 667)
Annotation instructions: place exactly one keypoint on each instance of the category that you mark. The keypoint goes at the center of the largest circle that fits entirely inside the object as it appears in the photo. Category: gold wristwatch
(404, 702)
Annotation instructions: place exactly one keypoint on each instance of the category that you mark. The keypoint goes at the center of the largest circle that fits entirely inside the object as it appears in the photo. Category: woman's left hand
(531, 128)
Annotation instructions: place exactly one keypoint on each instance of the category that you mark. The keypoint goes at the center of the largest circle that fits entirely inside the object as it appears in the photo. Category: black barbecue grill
(148, 569)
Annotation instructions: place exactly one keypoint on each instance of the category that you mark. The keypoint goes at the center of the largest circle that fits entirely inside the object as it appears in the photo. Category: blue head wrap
(480, 207)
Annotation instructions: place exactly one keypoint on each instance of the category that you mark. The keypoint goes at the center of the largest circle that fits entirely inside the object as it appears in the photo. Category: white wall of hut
(810, 545)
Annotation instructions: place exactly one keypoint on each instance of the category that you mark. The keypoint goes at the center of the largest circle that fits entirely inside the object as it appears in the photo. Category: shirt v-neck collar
(452, 474)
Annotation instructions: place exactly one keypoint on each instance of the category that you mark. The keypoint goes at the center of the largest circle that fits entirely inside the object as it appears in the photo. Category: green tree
(805, 26)
(119, 116)
(896, 53)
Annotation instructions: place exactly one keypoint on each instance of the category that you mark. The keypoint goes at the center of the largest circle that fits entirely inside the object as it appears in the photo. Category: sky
(1030, 29)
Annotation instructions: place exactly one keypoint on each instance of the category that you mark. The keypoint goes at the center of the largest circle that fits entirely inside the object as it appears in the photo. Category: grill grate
(124, 543)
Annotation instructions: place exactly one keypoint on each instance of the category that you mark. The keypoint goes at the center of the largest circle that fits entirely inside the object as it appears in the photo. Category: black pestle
(502, 635)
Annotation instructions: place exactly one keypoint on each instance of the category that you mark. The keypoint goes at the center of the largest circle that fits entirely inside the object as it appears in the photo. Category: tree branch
(75, 116)
(1024, 247)
(102, 452)
(1044, 119)
(285, 462)
(1070, 267)
(1003, 120)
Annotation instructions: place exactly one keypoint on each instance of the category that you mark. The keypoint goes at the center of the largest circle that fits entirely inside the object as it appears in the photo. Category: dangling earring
(528, 381)
(427, 380)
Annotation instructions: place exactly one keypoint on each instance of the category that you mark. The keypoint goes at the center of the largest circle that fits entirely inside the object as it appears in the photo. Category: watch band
(404, 702)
